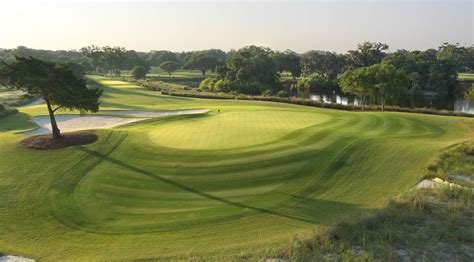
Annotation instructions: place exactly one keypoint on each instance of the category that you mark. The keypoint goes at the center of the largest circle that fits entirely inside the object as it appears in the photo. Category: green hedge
(308, 102)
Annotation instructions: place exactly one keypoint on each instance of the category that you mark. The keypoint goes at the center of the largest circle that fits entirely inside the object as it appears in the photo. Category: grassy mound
(239, 183)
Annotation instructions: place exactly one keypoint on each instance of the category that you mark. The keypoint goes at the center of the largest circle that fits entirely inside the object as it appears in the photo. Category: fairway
(240, 181)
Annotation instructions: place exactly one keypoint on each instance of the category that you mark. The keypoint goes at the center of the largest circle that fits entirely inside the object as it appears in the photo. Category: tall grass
(431, 225)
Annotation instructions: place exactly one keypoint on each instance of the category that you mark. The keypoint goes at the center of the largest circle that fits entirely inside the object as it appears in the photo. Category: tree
(94, 53)
(110, 58)
(317, 83)
(358, 82)
(135, 59)
(288, 61)
(387, 81)
(252, 70)
(156, 58)
(328, 65)
(114, 58)
(139, 72)
(460, 56)
(56, 84)
(426, 71)
(169, 67)
(202, 62)
(367, 54)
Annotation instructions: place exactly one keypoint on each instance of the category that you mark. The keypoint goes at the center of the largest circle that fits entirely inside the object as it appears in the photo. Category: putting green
(232, 129)
(239, 183)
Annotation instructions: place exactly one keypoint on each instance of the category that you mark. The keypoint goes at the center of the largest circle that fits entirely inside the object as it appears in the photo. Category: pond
(459, 104)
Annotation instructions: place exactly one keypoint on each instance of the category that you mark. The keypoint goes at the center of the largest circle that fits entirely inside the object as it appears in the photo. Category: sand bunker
(15, 259)
(150, 114)
(38, 101)
(71, 123)
(435, 183)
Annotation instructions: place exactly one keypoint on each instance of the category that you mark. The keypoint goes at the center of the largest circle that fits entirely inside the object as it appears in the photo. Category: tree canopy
(205, 60)
(169, 66)
(56, 84)
(112, 59)
(288, 61)
(327, 64)
(358, 82)
(367, 54)
(139, 72)
(425, 70)
(252, 70)
(156, 58)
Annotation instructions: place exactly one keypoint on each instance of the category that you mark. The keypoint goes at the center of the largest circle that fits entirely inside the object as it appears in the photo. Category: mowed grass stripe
(242, 181)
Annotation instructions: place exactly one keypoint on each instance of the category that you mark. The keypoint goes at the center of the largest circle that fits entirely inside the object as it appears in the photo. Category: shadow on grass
(196, 191)
(16, 122)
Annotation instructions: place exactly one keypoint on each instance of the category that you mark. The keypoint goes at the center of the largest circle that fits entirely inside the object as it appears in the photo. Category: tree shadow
(324, 209)
(16, 122)
(306, 219)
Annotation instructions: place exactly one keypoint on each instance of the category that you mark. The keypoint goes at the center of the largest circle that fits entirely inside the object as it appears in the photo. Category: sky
(299, 25)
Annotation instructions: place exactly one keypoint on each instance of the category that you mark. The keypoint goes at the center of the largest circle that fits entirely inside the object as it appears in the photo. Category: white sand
(15, 259)
(36, 102)
(71, 123)
(435, 183)
(150, 114)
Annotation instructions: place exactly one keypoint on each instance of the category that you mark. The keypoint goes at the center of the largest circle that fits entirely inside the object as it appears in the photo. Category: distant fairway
(239, 183)
(466, 76)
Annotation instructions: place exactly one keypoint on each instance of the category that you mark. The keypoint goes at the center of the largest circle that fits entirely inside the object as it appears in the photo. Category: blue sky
(336, 25)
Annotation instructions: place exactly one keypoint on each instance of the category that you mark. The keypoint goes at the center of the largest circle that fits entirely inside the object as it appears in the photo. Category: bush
(267, 93)
(160, 85)
(139, 72)
(208, 84)
(317, 83)
(282, 93)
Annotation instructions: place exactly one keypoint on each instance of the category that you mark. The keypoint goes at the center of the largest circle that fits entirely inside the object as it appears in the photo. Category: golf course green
(237, 182)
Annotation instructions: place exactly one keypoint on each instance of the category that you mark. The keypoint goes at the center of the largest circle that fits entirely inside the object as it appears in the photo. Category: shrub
(208, 84)
(160, 85)
(139, 72)
(282, 93)
(267, 93)
(317, 83)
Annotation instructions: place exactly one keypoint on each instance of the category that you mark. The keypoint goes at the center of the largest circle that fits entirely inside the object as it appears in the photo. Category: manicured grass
(158, 72)
(466, 76)
(8, 96)
(239, 183)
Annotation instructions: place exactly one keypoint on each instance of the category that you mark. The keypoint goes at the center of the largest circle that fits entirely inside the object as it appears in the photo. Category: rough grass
(456, 164)
(234, 189)
(427, 225)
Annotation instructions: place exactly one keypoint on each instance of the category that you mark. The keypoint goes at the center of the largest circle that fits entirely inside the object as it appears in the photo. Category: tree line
(368, 72)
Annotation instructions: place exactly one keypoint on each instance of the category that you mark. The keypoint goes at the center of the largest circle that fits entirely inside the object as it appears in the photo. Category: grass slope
(239, 183)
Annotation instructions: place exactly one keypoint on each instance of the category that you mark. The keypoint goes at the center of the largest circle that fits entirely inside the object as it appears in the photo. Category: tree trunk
(54, 125)
(203, 71)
